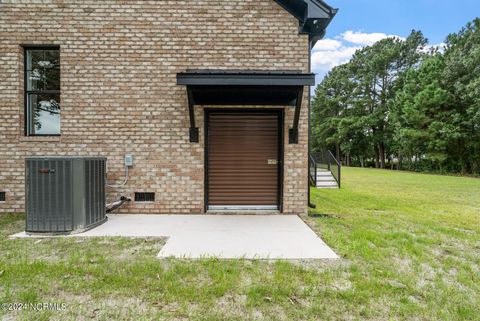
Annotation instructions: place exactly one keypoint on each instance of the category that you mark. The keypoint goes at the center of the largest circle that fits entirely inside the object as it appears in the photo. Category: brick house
(210, 97)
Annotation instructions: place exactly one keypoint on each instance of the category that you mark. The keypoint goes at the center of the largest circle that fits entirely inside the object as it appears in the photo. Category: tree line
(400, 104)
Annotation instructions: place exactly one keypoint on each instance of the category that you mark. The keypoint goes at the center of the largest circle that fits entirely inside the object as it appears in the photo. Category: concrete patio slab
(221, 236)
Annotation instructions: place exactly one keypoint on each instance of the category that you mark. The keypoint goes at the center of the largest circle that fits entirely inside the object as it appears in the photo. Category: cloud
(327, 59)
(365, 39)
(327, 44)
(329, 53)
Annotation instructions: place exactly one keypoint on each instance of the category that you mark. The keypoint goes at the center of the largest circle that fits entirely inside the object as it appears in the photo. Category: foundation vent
(144, 197)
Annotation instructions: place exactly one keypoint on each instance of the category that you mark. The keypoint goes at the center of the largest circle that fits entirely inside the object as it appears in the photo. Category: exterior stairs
(324, 171)
(325, 179)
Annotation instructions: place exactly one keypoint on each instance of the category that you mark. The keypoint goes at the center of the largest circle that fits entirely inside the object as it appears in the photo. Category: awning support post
(293, 132)
(193, 128)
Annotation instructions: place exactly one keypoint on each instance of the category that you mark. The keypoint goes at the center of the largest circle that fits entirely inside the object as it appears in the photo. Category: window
(42, 91)
(2, 196)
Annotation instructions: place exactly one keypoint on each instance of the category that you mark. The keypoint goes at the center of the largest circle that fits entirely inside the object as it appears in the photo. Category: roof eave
(313, 16)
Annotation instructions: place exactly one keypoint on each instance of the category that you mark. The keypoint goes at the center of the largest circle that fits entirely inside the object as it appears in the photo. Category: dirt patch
(149, 246)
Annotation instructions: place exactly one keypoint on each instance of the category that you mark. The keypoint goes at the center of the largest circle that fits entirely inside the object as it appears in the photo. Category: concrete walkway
(222, 236)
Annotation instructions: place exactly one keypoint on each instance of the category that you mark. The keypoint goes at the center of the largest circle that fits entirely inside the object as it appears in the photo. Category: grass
(410, 247)
(413, 242)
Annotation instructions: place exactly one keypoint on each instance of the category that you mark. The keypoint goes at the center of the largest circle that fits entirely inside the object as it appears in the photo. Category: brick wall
(119, 61)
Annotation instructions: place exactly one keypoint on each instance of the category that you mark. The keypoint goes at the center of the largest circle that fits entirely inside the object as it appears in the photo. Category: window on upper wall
(42, 91)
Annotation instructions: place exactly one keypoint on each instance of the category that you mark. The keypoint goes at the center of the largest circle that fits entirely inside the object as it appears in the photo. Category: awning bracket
(293, 131)
(193, 128)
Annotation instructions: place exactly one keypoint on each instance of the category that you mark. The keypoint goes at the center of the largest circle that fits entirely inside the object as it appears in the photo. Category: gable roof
(313, 16)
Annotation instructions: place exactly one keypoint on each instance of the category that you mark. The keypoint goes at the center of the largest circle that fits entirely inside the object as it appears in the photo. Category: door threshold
(243, 207)
(242, 212)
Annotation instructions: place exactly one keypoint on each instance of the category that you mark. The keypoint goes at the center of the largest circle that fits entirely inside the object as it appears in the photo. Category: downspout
(310, 204)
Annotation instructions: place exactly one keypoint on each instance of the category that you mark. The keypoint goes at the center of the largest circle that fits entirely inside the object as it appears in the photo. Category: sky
(360, 23)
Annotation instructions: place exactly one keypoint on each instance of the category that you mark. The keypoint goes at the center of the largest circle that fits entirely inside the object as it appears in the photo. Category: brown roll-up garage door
(243, 159)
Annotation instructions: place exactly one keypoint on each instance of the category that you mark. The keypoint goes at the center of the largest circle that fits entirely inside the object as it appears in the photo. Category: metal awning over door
(246, 88)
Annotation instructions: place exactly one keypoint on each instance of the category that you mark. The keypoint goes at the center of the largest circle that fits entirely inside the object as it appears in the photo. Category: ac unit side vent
(144, 197)
(2, 196)
(64, 194)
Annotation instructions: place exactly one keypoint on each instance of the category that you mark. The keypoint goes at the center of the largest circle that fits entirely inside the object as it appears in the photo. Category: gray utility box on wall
(64, 194)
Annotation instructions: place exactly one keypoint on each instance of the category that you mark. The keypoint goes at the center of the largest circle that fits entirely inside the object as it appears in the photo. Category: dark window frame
(26, 92)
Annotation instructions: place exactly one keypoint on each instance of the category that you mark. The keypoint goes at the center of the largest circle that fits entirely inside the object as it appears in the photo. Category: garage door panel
(239, 147)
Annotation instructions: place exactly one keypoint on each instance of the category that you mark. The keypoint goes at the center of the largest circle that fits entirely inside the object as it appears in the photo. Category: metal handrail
(312, 167)
(336, 174)
(326, 160)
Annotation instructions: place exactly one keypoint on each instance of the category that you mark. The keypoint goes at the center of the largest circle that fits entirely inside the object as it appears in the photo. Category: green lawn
(410, 247)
